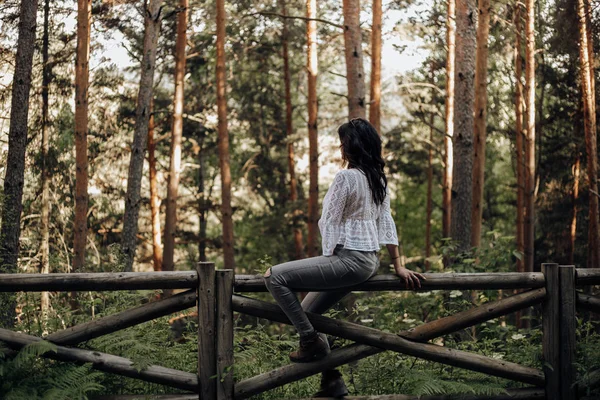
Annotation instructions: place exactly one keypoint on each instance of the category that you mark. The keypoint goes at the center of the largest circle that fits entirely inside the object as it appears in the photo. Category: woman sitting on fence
(355, 222)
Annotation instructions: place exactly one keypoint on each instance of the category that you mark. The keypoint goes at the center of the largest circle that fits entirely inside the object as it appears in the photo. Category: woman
(355, 222)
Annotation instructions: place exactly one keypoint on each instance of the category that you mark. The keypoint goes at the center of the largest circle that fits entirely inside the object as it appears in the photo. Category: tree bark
(224, 141)
(203, 205)
(157, 251)
(298, 245)
(449, 118)
(355, 75)
(375, 97)
(529, 192)
(429, 184)
(576, 172)
(311, 65)
(520, 164)
(479, 129)
(82, 72)
(589, 119)
(175, 163)
(15, 162)
(45, 220)
(462, 183)
(140, 135)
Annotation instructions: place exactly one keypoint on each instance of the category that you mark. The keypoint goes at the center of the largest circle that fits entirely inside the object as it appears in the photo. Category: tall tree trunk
(449, 118)
(589, 119)
(157, 251)
(429, 183)
(590, 45)
(529, 234)
(311, 66)
(462, 183)
(375, 97)
(45, 221)
(175, 164)
(520, 164)
(355, 75)
(15, 162)
(479, 129)
(289, 132)
(140, 134)
(202, 200)
(224, 140)
(573, 235)
(82, 72)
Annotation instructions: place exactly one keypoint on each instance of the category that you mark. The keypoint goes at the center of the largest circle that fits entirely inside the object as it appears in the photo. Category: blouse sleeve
(385, 224)
(333, 210)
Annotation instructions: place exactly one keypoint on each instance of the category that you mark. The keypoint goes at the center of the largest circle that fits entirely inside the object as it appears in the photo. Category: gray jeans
(344, 269)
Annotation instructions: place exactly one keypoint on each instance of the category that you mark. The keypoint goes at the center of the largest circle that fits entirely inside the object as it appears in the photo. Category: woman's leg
(313, 274)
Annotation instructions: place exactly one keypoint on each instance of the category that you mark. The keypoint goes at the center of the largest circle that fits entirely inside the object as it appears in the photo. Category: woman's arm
(410, 277)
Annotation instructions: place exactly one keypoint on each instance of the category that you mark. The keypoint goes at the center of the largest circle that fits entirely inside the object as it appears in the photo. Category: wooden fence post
(224, 292)
(206, 331)
(551, 331)
(568, 324)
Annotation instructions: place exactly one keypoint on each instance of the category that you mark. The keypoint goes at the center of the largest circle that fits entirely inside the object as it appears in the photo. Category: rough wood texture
(520, 165)
(462, 182)
(15, 162)
(587, 276)
(591, 303)
(224, 334)
(108, 362)
(479, 129)
(354, 352)
(112, 323)
(435, 281)
(568, 323)
(98, 281)
(550, 328)
(355, 76)
(140, 135)
(206, 330)
(393, 342)
(157, 250)
(82, 77)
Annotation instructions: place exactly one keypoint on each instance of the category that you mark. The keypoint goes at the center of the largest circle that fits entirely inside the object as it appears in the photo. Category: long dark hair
(361, 149)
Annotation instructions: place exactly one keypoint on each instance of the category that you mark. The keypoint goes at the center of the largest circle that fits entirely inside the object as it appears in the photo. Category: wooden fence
(212, 292)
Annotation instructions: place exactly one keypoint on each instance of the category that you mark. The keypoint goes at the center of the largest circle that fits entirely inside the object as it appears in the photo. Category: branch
(274, 14)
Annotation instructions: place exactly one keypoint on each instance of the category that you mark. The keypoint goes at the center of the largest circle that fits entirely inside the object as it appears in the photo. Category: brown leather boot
(332, 385)
(312, 348)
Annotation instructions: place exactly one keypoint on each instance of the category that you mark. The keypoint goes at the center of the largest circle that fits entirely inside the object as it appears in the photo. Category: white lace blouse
(350, 216)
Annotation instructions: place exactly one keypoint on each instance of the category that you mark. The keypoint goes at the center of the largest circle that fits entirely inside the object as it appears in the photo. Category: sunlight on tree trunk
(429, 181)
(226, 210)
(82, 72)
(479, 129)
(449, 119)
(45, 175)
(529, 234)
(375, 97)
(355, 75)
(175, 163)
(520, 162)
(576, 173)
(157, 252)
(311, 63)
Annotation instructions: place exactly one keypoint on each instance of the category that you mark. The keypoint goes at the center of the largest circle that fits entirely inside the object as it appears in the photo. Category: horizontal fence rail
(212, 293)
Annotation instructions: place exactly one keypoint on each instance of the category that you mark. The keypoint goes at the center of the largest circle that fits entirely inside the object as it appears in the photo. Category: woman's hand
(410, 277)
